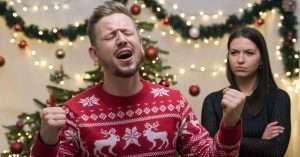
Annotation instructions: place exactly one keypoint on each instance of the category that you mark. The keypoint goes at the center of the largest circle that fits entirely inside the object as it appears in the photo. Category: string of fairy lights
(41, 62)
(293, 85)
(34, 8)
(195, 17)
(212, 70)
(206, 17)
(53, 6)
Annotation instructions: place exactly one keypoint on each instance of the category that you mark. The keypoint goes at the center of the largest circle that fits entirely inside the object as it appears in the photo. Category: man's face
(118, 47)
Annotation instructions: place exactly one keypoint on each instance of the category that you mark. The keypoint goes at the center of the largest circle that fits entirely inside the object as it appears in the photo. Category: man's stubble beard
(119, 72)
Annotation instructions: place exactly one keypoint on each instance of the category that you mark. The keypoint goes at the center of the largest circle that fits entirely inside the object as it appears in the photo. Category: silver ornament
(194, 32)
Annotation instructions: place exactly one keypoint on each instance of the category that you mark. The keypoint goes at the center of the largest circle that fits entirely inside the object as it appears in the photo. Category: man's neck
(247, 85)
(120, 86)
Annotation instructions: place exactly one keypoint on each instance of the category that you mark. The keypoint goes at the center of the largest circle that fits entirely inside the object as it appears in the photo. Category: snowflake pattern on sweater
(155, 122)
(89, 101)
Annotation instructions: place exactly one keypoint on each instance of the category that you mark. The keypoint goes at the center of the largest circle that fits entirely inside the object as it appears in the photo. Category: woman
(266, 114)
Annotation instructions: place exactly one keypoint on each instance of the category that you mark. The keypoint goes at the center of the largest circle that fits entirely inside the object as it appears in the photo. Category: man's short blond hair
(108, 8)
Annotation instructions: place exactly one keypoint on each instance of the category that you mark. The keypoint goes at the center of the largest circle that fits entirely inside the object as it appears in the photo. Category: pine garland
(288, 30)
(71, 32)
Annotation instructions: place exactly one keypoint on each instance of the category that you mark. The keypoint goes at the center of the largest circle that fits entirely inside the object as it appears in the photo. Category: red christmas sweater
(156, 122)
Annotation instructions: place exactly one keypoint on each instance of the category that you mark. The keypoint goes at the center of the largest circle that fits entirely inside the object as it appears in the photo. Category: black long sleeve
(211, 116)
(276, 108)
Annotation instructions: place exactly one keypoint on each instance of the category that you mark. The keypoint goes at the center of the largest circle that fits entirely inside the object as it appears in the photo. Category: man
(125, 115)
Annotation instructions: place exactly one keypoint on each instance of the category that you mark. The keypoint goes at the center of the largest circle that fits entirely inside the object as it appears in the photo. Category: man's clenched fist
(233, 103)
(52, 120)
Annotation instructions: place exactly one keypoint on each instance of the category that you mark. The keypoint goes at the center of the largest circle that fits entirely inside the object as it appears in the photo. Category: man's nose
(121, 39)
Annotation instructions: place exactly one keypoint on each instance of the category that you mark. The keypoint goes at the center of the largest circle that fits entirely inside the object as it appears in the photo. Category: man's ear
(93, 55)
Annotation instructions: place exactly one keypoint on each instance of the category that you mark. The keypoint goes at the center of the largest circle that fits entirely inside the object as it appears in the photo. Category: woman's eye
(249, 52)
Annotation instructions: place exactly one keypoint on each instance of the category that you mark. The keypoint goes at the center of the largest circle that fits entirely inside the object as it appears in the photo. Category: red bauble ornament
(259, 22)
(194, 90)
(51, 101)
(2, 61)
(22, 44)
(19, 125)
(18, 28)
(164, 83)
(135, 9)
(151, 52)
(166, 21)
(290, 35)
(16, 148)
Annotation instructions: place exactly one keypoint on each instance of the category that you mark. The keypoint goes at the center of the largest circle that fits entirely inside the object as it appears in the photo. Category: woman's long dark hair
(265, 80)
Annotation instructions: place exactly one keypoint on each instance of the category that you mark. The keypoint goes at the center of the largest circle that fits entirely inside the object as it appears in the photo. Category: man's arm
(194, 140)
(58, 135)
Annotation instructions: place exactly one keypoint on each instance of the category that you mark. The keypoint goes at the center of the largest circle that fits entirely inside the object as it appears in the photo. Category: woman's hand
(272, 130)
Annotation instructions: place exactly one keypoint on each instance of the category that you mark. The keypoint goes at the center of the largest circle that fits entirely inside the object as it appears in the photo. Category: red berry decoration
(2, 61)
(19, 125)
(259, 22)
(164, 83)
(151, 52)
(166, 21)
(194, 90)
(18, 28)
(16, 148)
(135, 9)
(22, 44)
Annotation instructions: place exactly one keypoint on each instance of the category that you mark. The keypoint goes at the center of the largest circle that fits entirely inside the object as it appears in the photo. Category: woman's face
(244, 58)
